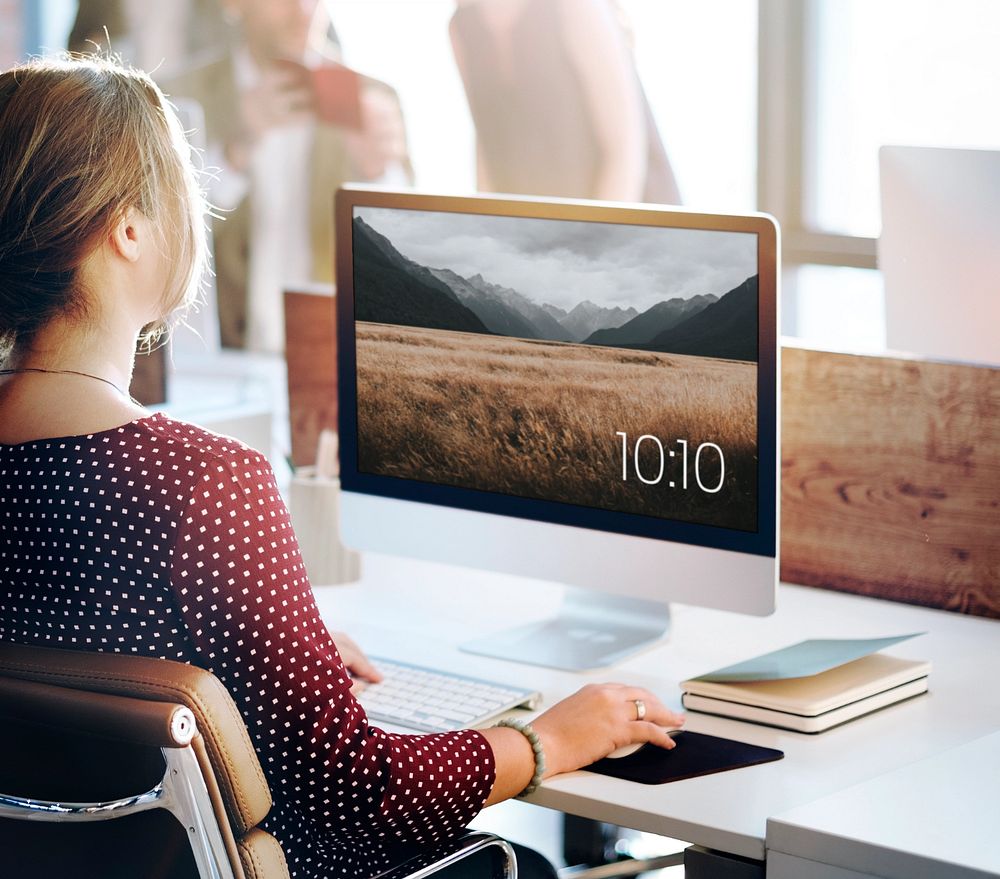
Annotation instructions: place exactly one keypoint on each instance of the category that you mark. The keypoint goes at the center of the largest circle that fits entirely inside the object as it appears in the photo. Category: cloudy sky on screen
(563, 262)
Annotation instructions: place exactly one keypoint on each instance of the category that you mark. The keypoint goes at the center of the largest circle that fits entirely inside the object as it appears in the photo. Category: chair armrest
(157, 724)
(451, 852)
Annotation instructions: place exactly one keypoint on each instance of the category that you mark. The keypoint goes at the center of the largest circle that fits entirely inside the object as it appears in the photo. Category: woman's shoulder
(198, 444)
(147, 434)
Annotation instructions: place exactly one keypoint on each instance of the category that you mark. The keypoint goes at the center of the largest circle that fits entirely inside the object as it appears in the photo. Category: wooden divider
(890, 477)
(311, 355)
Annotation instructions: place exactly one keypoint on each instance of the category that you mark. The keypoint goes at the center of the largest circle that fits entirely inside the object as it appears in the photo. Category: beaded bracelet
(526, 730)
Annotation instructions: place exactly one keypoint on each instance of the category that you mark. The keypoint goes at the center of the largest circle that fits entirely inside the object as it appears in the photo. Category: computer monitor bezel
(762, 543)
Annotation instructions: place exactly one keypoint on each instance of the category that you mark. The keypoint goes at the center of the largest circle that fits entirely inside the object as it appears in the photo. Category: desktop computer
(578, 392)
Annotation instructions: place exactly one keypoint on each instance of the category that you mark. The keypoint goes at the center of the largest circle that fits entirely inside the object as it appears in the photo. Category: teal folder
(803, 659)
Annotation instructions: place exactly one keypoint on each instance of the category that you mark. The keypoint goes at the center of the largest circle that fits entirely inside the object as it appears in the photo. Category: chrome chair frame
(181, 791)
(184, 793)
(452, 852)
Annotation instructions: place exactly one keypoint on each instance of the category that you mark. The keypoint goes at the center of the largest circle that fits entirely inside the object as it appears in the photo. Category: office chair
(142, 766)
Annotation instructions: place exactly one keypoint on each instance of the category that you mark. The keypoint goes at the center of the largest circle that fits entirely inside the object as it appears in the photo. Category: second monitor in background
(939, 251)
(567, 391)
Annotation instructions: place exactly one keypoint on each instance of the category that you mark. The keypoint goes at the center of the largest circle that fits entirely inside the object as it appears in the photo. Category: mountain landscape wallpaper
(511, 355)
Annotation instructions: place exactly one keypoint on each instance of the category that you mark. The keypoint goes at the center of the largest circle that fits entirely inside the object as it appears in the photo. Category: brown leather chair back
(80, 726)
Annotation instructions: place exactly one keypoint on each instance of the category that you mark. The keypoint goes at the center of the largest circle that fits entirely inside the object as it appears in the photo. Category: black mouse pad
(696, 754)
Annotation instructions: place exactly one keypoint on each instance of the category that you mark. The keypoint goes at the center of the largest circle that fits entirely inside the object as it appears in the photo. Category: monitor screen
(602, 374)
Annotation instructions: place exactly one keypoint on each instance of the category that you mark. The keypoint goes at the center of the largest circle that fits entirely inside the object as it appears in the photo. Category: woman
(136, 533)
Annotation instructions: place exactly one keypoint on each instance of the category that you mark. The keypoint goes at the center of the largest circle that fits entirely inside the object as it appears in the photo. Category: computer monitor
(939, 251)
(579, 392)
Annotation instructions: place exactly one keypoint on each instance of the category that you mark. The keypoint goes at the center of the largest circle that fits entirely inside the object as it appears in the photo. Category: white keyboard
(428, 700)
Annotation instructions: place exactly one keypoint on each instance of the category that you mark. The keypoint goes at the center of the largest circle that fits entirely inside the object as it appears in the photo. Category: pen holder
(315, 509)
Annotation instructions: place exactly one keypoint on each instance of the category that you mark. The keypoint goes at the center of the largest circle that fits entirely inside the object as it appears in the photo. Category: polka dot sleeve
(250, 614)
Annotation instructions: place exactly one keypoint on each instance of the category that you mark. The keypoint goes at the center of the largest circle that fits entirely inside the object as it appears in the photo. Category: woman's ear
(128, 235)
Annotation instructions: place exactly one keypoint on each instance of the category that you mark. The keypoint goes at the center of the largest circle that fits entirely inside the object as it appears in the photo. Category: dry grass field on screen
(538, 419)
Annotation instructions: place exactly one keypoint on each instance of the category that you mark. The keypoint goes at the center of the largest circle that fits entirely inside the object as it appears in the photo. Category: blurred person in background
(557, 102)
(277, 157)
(154, 36)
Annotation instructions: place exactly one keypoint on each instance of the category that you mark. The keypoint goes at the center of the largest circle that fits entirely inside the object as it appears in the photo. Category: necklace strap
(64, 372)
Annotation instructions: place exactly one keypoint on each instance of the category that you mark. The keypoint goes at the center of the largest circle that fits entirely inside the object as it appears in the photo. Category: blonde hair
(81, 142)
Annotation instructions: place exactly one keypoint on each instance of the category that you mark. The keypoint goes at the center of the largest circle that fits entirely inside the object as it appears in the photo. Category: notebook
(816, 702)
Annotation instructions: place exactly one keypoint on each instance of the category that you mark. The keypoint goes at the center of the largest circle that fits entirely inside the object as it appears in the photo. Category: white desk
(421, 612)
(938, 817)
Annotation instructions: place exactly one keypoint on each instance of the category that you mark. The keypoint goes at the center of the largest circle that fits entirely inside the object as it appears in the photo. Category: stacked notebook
(811, 686)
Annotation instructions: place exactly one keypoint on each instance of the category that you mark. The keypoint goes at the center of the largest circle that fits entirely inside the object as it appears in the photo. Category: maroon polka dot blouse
(162, 539)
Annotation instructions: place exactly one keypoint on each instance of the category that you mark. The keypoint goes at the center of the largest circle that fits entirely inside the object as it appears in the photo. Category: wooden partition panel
(311, 355)
(890, 478)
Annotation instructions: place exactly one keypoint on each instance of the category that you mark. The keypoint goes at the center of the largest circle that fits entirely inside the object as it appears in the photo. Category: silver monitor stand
(591, 630)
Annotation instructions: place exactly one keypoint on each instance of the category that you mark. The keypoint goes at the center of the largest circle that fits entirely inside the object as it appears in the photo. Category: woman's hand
(355, 662)
(597, 720)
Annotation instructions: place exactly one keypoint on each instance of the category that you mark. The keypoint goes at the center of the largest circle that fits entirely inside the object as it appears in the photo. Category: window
(698, 65)
(47, 25)
(911, 72)
(838, 79)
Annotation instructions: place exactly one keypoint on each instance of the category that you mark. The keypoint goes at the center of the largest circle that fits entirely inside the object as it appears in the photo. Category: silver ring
(640, 709)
